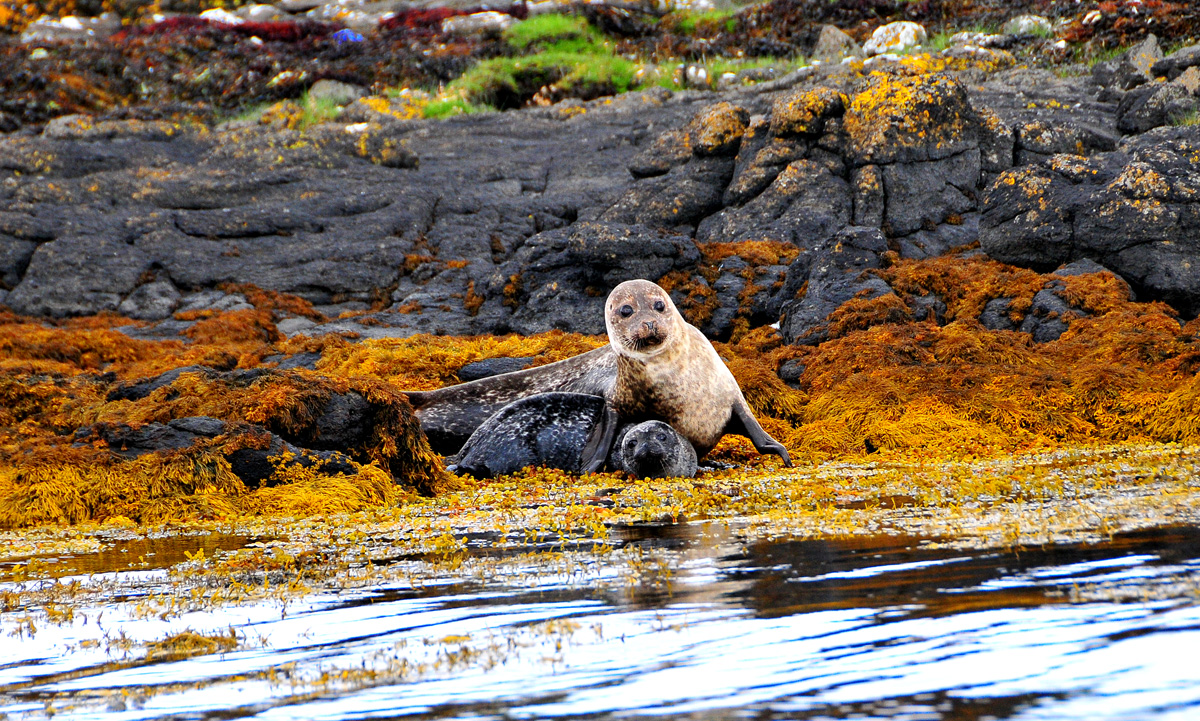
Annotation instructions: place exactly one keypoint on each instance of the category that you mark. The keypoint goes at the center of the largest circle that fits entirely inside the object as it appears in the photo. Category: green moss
(707, 23)
(317, 110)
(510, 82)
(554, 32)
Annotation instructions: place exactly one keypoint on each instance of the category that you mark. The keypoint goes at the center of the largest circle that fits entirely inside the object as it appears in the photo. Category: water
(679, 622)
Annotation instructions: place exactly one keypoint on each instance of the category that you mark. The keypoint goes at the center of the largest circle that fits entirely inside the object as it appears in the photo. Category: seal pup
(656, 367)
(569, 431)
(652, 450)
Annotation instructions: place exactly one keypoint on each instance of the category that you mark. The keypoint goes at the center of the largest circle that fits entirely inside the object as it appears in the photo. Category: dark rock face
(1131, 68)
(834, 274)
(1154, 106)
(489, 367)
(1135, 211)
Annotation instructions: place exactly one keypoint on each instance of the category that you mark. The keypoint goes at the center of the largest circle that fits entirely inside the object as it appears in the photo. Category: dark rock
(199, 425)
(492, 367)
(342, 424)
(1047, 317)
(1131, 68)
(929, 307)
(1135, 211)
(169, 329)
(1177, 62)
(1155, 105)
(15, 254)
(995, 315)
(805, 203)
(834, 273)
(945, 237)
(299, 360)
(924, 194)
(77, 276)
(683, 196)
(565, 275)
(791, 372)
(153, 301)
(140, 389)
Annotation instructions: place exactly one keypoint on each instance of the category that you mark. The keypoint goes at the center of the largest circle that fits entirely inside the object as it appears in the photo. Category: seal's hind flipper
(600, 442)
(743, 423)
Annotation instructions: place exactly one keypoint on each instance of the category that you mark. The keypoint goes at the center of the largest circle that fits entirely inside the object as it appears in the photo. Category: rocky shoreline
(880, 245)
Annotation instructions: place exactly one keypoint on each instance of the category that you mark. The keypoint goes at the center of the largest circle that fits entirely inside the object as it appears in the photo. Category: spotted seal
(656, 367)
(652, 450)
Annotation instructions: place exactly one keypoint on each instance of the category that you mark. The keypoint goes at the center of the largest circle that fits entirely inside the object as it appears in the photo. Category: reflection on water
(880, 627)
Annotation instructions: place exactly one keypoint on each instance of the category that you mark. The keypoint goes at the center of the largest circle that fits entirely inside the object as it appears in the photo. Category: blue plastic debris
(346, 35)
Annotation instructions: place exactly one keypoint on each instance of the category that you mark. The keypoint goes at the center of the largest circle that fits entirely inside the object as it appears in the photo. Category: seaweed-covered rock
(1135, 211)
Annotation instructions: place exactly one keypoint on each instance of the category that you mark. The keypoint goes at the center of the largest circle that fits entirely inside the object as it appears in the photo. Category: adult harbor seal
(655, 367)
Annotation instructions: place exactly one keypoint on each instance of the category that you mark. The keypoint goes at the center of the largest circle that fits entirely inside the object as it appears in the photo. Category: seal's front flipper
(743, 423)
(600, 442)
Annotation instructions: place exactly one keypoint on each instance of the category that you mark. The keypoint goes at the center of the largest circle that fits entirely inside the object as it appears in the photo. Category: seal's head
(641, 319)
(655, 450)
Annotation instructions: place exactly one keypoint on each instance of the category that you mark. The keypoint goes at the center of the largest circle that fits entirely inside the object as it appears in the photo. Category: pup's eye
(662, 437)
(626, 311)
(660, 306)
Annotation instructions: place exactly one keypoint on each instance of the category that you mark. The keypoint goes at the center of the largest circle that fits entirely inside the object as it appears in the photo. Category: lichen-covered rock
(153, 301)
(895, 37)
(910, 119)
(804, 112)
(1154, 105)
(718, 130)
(1131, 68)
(1136, 211)
(1174, 65)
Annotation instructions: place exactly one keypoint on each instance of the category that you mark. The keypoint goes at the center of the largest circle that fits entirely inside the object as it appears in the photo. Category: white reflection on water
(1087, 660)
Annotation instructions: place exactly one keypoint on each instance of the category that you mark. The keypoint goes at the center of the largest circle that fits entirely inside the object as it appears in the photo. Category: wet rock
(1131, 68)
(791, 372)
(298, 360)
(1135, 211)
(833, 45)
(153, 301)
(682, 197)
(834, 274)
(924, 194)
(895, 37)
(1153, 106)
(1174, 65)
(138, 390)
(489, 367)
(564, 276)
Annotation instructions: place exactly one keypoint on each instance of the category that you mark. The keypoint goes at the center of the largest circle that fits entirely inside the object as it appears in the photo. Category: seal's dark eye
(660, 306)
(626, 311)
(662, 437)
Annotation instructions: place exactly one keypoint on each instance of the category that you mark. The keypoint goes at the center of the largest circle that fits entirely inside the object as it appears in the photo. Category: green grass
(554, 32)
(1192, 118)
(317, 110)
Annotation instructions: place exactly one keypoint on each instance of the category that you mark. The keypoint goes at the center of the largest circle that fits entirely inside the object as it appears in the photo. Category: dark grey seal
(569, 431)
(652, 450)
